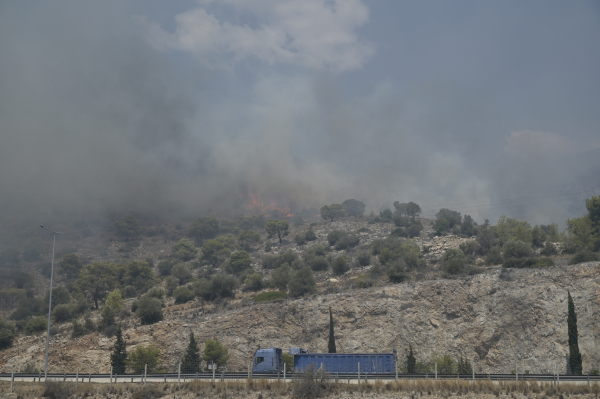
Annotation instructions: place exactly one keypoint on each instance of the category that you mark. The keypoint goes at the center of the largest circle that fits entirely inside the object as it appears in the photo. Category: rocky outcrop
(501, 321)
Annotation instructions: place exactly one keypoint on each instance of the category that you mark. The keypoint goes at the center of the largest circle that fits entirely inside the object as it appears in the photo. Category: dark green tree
(247, 239)
(215, 352)
(333, 211)
(184, 250)
(412, 209)
(118, 358)
(464, 366)
(214, 252)
(70, 265)
(97, 279)
(593, 207)
(411, 362)
(203, 228)
(277, 226)
(353, 207)
(574, 355)
(240, 261)
(128, 227)
(191, 360)
(331, 344)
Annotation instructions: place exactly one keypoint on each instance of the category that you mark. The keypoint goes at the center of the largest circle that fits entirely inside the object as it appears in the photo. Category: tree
(70, 265)
(331, 343)
(182, 272)
(140, 357)
(203, 228)
(446, 220)
(183, 295)
(214, 252)
(184, 250)
(333, 211)
(454, 261)
(97, 279)
(277, 226)
(340, 265)
(139, 275)
(191, 360)
(516, 249)
(412, 209)
(574, 355)
(353, 207)
(593, 207)
(281, 276)
(240, 261)
(115, 300)
(464, 366)
(215, 352)
(411, 362)
(400, 208)
(118, 358)
(8, 332)
(247, 239)
(467, 227)
(128, 227)
(149, 310)
(302, 282)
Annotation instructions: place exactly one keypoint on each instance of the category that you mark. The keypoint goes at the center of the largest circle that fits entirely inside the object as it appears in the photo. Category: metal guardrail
(175, 377)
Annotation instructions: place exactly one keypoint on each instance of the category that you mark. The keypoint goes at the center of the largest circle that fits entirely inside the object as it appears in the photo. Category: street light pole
(50, 299)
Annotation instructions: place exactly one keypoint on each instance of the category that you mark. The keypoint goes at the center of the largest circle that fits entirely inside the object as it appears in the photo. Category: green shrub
(254, 282)
(36, 325)
(584, 255)
(318, 263)
(270, 296)
(396, 271)
(149, 310)
(183, 295)
(469, 248)
(273, 262)
(184, 250)
(310, 235)
(140, 357)
(494, 256)
(240, 261)
(29, 307)
(8, 333)
(281, 276)
(549, 249)
(155, 292)
(516, 249)
(594, 372)
(182, 272)
(364, 259)
(454, 261)
(300, 239)
(340, 265)
(302, 282)
(335, 235)
(64, 312)
(220, 286)
(347, 241)
(171, 284)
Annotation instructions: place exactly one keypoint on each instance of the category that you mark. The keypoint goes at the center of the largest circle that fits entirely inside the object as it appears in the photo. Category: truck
(271, 361)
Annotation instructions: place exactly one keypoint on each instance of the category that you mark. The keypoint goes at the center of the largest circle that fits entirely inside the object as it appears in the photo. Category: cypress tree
(119, 355)
(331, 345)
(191, 360)
(574, 355)
(411, 362)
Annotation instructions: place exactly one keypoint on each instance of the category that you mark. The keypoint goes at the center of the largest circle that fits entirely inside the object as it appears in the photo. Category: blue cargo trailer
(271, 361)
(346, 362)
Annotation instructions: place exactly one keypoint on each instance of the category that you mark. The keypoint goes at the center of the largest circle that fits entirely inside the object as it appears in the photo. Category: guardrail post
(179, 375)
(249, 370)
(145, 373)
(111, 370)
(213, 369)
(359, 373)
(473, 365)
(90, 377)
(396, 363)
(12, 379)
(64, 377)
(77, 377)
(516, 374)
(587, 375)
(436, 371)
(284, 366)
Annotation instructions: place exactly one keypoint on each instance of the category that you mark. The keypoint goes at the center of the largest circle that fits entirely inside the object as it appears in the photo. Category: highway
(341, 377)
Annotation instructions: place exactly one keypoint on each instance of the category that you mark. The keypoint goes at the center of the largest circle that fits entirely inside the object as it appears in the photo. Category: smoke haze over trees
(113, 107)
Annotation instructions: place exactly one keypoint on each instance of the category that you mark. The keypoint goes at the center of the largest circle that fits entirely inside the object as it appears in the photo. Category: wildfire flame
(256, 204)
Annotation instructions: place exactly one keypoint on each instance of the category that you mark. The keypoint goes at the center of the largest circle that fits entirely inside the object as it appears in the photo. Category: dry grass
(272, 389)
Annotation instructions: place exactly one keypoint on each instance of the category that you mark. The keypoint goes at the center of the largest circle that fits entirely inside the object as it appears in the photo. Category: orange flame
(255, 203)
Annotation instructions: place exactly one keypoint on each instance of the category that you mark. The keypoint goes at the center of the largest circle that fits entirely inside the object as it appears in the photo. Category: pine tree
(331, 345)
(191, 360)
(411, 362)
(119, 356)
(574, 355)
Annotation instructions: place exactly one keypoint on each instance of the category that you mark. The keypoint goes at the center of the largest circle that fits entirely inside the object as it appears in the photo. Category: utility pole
(50, 300)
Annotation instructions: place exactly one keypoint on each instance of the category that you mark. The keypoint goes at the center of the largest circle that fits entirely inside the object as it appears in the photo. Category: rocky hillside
(500, 320)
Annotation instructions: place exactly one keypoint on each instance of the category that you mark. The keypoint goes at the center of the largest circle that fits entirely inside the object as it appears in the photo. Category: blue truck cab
(268, 361)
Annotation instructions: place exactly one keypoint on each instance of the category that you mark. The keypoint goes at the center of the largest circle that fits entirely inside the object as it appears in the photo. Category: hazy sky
(188, 106)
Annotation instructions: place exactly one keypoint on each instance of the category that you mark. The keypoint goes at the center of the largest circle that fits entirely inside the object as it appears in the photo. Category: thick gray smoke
(95, 119)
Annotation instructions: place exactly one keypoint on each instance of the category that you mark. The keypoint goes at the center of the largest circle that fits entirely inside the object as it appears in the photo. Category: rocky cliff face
(500, 320)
